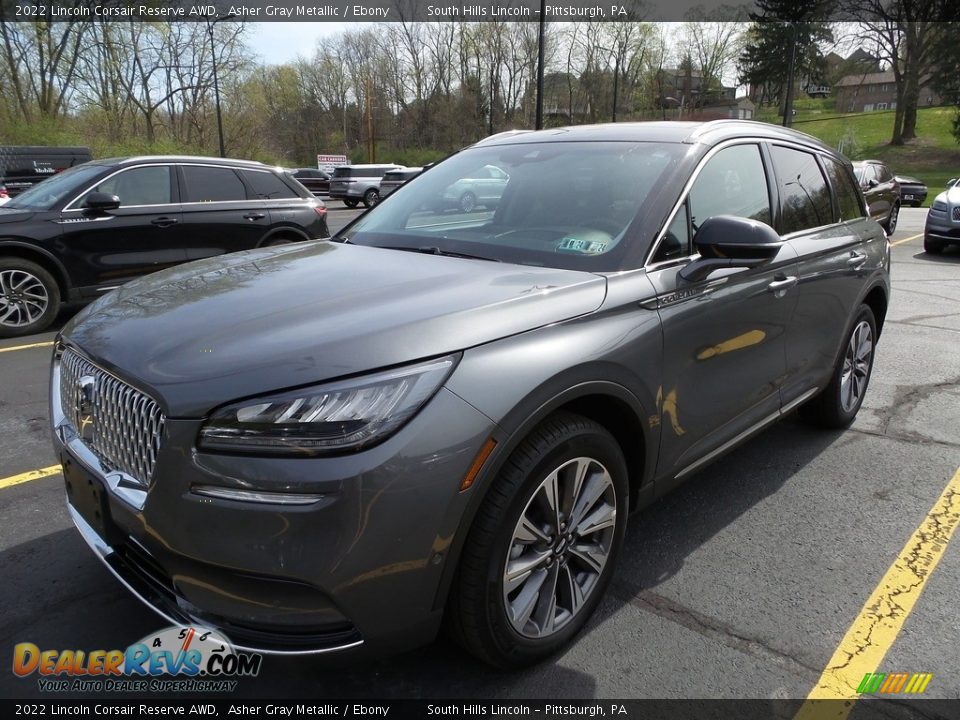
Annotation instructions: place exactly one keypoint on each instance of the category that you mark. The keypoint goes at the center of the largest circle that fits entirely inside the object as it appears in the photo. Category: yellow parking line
(28, 476)
(906, 240)
(882, 617)
(26, 347)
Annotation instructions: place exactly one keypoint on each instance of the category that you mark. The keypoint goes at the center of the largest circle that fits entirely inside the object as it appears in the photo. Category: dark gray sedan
(446, 418)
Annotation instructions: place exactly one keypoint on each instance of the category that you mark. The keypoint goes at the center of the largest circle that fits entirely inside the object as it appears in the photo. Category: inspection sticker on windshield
(591, 247)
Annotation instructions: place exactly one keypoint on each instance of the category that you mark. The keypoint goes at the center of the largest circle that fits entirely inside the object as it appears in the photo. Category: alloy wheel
(23, 298)
(559, 547)
(856, 366)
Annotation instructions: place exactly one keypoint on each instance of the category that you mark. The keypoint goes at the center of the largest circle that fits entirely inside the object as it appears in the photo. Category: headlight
(337, 417)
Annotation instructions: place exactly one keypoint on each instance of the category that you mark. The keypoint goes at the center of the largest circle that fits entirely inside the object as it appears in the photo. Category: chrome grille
(956, 213)
(119, 424)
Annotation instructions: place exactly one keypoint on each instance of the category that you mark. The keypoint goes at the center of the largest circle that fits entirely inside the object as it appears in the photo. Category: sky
(281, 42)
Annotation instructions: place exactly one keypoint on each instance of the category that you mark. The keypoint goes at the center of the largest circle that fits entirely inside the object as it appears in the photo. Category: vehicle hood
(12, 215)
(951, 195)
(199, 335)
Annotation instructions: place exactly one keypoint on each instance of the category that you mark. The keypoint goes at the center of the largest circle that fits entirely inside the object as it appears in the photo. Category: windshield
(47, 193)
(558, 204)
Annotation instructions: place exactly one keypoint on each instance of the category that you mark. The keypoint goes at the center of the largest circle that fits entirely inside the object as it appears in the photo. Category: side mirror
(951, 182)
(725, 241)
(101, 201)
(871, 183)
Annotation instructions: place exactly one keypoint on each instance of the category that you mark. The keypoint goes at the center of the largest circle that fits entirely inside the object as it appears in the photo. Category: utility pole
(543, 13)
(791, 71)
(371, 147)
(216, 83)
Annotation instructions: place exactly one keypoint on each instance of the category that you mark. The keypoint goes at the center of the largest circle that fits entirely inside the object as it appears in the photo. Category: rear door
(723, 336)
(141, 236)
(822, 217)
(218, 215)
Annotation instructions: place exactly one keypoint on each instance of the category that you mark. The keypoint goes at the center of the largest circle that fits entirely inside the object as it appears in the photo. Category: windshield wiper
(433, 250)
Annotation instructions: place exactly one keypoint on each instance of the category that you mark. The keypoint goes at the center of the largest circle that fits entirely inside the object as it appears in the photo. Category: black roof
(708, 133)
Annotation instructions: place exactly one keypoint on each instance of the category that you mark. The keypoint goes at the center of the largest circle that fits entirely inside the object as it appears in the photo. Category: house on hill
(876, 91)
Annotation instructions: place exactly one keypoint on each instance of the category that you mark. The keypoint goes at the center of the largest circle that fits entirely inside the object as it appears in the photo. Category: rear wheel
(838, 404)
(891, 224)
(468, 201)
(29, 298)
(543, 545)
(371, 197)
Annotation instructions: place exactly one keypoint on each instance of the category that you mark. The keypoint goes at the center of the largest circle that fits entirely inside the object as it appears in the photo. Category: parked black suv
(882, 192)
(95, 226)
(316, 181)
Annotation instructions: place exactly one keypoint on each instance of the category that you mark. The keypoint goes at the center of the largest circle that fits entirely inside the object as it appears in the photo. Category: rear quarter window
(846, 190)
(267, 186)
(805, 200)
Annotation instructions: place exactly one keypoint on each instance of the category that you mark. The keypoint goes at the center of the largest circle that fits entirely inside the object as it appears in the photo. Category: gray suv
(441, 418)
(358, 183)
(943, 220)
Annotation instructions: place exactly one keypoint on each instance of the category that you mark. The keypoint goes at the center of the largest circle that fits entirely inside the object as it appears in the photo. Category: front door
(724, 337)
(141, 236)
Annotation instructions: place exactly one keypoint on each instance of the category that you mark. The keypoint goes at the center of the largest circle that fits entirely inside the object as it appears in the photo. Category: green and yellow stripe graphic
(893, 683)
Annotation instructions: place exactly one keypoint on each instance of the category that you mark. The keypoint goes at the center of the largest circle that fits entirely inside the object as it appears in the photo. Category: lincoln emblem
(86, 388)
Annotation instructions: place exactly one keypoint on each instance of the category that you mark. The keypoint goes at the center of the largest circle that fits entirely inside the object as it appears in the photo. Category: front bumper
(357, 569)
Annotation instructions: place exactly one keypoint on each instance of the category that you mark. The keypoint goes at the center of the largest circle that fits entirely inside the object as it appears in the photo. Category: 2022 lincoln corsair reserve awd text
(445, 418)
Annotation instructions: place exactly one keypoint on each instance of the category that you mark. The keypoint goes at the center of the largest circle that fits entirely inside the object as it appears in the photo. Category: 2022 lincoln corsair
(447, 417)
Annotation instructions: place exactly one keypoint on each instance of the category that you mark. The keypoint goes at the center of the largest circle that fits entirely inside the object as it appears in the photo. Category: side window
(139, 186)
(883, 173)
(846, 190)
(676, 242)
(266, 185)
(804, 196)
(212, 184)
(732, 182)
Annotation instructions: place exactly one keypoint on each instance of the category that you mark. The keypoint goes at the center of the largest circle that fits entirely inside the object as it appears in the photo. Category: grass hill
(934, 156)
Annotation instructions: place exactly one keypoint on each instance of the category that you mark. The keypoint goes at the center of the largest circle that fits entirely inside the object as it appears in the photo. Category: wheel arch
(24, 251)
(609, 404)
(283, 231)
(876, 298)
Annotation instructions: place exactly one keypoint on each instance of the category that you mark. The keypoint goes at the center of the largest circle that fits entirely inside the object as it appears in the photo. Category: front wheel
(350, 202)
(543, 546)
(839, 403)
(932, 246)
(29, 298)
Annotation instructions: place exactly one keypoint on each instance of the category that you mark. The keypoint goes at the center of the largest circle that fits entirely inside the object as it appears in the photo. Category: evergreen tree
(779, 24)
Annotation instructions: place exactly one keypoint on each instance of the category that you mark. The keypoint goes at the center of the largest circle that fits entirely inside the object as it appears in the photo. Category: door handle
(856, 259)
(164, 222)
(254, 216)
(779, 286)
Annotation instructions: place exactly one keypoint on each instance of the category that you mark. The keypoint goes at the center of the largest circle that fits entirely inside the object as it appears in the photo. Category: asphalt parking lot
(741, 584)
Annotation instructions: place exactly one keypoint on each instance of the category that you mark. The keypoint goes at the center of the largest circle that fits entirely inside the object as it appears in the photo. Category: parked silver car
(441, 418)
(943, 220)
(358, 183)
(484, 186)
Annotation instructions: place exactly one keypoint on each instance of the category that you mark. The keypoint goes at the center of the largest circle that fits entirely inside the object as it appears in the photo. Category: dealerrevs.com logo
(177, 659)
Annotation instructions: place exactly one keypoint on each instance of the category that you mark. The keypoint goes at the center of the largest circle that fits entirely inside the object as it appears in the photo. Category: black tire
(467, 202)
(890, 224)
(932, 246)
(24, 285)
(350, 202)
(477, 615)
(371, 197)
(832, 408)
